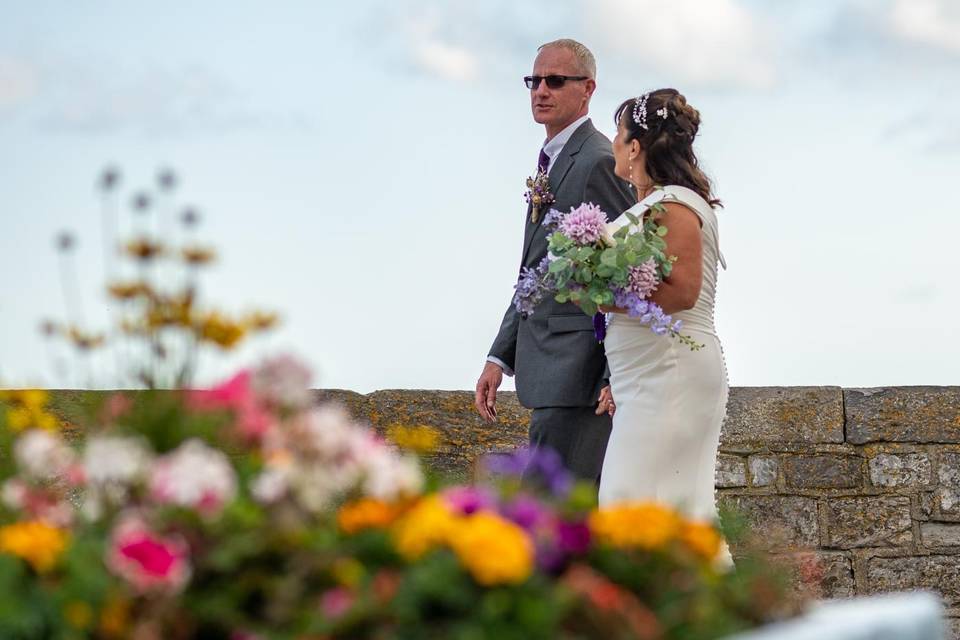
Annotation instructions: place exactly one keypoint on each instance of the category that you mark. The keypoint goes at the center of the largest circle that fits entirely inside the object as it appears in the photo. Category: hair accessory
(640, 111)
(663, 113)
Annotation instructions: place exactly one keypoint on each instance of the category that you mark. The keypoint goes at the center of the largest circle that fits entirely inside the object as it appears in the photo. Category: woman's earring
(631, 174)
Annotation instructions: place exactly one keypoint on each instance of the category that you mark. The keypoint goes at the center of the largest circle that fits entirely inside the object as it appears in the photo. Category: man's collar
(556, 143)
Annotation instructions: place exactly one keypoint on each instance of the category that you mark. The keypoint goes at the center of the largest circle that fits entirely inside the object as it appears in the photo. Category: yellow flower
(27, 410)
(197, 255)
(36, 542)
(115, 618)
(421, 439)
(348, 572)
(260, 320)
(646, 525)
(425, 526)
(494, 550)
(78, 614)
(144, 249)
(220, 330)
(366, 513)
(702, 538)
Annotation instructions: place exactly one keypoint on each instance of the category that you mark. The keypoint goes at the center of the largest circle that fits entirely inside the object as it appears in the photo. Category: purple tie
(543, 161)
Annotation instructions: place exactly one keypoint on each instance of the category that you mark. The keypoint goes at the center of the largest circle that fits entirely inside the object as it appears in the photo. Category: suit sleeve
(612, 195)
(504, 346)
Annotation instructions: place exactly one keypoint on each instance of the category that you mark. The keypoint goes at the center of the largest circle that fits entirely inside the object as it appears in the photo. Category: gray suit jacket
(557, 360)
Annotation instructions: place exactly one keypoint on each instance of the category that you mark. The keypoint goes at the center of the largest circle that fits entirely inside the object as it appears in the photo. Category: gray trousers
(576, 433)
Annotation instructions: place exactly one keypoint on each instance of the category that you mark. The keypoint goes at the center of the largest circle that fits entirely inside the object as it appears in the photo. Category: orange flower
(645, 525)
(36, 542)
(220, 330)
(366, 513)
(702, 538)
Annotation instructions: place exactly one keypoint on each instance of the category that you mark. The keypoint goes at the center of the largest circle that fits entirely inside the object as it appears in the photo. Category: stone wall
(867, 479)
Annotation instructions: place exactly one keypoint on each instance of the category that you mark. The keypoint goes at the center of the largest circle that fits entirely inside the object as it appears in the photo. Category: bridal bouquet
(596, 264)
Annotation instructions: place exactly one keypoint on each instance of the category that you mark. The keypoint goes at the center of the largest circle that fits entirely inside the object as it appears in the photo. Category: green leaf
(661, 231)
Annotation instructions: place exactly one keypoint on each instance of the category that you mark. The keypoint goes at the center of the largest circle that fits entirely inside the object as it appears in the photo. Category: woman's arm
(681, 290)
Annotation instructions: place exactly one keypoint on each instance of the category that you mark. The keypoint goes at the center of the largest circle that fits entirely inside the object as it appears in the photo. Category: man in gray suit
(559, 365)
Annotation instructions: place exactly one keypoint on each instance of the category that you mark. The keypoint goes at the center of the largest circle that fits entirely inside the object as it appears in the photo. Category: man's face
(557, 108)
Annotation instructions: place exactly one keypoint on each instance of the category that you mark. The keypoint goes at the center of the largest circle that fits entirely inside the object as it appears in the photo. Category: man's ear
(591, 86)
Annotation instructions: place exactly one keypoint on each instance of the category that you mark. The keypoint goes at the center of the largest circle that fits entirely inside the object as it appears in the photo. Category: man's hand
(605, 403)
(487, 386)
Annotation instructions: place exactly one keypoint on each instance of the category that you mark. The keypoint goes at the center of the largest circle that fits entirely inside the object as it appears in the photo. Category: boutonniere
(538, 194)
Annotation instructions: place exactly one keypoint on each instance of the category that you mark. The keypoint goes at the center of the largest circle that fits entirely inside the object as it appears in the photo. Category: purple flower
(469, 499)
(643, 279)
(529, 290)
(584, 224)
(541, 466)
(552, 218)
(573, 537)
(526, 511)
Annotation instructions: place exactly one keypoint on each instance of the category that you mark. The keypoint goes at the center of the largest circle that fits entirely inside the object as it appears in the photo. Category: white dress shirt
(552, 148)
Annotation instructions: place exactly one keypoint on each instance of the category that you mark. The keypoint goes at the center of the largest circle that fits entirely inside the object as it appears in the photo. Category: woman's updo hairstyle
(666, 126)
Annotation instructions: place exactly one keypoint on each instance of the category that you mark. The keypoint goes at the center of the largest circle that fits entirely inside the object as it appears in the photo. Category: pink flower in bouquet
(643, 279)
(283, 382)
(584, 224)
(148, 561)
(253, 421)
(196, 476)
(336, 602)
(43, 455)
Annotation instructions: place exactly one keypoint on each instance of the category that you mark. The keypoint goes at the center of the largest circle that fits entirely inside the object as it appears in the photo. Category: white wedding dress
(670, 401)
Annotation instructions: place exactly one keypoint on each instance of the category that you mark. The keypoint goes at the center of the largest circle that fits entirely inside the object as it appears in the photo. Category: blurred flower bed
(247, 511)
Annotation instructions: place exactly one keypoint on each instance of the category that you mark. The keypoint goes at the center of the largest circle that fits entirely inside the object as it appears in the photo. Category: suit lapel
(561, 167)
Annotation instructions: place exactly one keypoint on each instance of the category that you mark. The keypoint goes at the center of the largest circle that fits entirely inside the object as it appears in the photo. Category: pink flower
(643, 279)
(469, 499)
(336, 602)
(253, 421)
(196, 476)
(282, 382)
(584, 224)
(146, 560)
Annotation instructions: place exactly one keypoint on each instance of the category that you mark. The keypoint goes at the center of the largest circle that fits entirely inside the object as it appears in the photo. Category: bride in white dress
(670, 401)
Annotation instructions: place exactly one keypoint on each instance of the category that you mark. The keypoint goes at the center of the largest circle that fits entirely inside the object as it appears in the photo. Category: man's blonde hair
(585, 59)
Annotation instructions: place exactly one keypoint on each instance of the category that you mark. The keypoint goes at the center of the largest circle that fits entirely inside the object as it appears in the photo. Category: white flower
(42, 455)
(283, 381)
(389, 476)
(115, 461)
(194, 475)
(271, 485)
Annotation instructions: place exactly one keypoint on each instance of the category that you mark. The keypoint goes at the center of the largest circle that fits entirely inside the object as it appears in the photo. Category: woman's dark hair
(667, 141)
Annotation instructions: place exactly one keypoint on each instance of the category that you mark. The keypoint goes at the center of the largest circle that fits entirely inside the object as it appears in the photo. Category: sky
(360, 168)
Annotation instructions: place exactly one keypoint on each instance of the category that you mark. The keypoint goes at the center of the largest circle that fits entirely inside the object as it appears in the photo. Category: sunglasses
(553, 82)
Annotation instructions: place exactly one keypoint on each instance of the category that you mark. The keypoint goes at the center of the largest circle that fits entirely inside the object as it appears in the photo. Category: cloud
(19, 82)
(933, 23)
(716, 43)
(101, 98)
(437, 56)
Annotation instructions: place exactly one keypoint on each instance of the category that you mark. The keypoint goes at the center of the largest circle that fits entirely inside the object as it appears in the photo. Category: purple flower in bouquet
(531, 287)
(552, 218)
(584, 224)
(469, 499)
(649, 313)
(643, 279)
